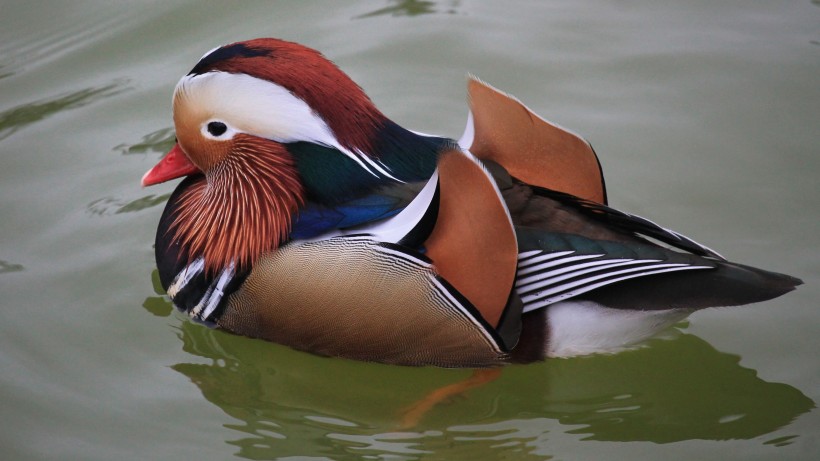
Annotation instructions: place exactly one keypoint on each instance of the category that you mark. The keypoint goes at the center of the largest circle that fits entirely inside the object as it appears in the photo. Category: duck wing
(573, 248)
(556, 211)
(503, 130)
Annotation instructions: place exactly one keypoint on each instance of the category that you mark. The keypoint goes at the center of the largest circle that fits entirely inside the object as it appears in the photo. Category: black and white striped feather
(554, 267)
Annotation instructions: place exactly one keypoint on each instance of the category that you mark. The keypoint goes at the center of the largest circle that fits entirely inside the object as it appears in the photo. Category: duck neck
(412, 156)
(394, 155)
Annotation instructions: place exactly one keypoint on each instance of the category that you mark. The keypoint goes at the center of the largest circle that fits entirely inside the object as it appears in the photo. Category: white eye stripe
(261, 108)
(254, 106)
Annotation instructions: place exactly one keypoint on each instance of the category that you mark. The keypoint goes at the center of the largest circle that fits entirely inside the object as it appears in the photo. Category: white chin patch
(585, 327)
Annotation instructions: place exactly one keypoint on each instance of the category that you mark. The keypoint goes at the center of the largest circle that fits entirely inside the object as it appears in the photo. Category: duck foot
(411, 415)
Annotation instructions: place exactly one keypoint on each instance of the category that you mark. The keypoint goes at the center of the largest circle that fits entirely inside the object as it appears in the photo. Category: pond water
(705, 116)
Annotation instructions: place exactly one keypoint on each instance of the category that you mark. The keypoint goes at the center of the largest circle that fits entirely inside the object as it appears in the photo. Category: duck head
(236, 113)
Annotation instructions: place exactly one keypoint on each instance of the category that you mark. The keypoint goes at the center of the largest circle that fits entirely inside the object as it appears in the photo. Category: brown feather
(347, 298)
(530, 148)
(473, 244)
(529, 209)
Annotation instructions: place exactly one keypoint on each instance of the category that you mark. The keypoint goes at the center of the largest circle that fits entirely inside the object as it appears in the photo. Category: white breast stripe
(218, 293)
(185, 276)
(194, 313)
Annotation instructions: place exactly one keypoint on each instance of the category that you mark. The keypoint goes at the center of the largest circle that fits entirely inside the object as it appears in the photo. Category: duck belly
(586, 327)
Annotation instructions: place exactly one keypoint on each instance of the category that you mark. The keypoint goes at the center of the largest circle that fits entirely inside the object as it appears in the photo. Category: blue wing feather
(315, 219)
(342, 193)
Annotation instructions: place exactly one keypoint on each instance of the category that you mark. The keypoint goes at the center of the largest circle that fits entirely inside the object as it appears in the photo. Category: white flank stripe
(544, 257)
(567, 286)
(539, 303)
(558, 279)
(527, 254)
(556, 262)
(596, 265)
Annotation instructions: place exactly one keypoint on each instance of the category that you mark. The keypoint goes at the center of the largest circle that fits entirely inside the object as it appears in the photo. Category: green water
(705, 116)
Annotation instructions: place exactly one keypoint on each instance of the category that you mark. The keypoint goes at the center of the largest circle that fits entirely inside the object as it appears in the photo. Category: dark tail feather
(731, 284)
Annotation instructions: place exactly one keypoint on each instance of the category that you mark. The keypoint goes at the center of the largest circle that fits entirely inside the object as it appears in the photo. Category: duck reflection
(6, 266)
(403, 8)
(293, 403)
(159, 141)
(16, 118)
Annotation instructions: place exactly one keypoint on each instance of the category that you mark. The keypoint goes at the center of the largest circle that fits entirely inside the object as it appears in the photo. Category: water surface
(704, 115)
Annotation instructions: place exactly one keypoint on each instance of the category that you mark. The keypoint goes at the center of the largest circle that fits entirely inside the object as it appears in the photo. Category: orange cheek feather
(244, 206)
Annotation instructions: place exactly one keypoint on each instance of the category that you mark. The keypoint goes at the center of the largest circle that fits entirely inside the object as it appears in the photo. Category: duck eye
(217, 129)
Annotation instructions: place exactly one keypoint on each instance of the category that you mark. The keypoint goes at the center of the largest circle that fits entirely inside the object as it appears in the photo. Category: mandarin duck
(309, 218)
